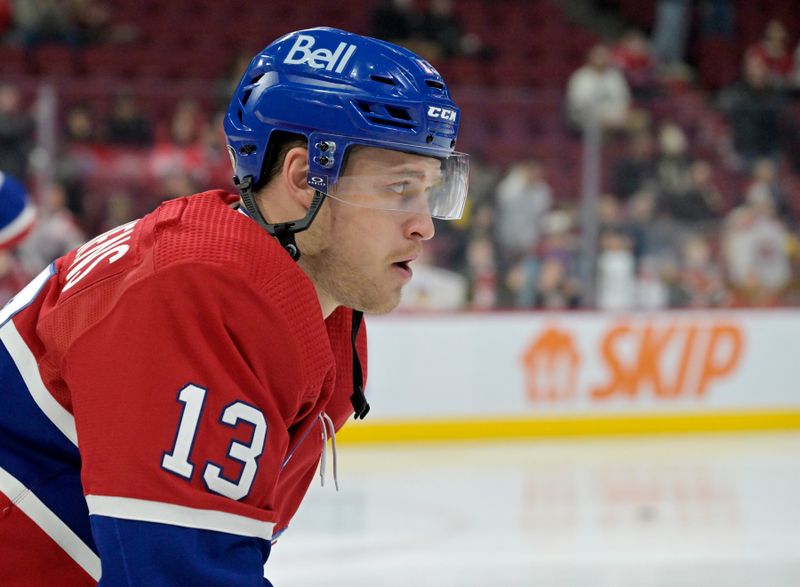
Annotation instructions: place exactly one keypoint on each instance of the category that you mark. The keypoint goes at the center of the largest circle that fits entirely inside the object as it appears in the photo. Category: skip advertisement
(529, 374)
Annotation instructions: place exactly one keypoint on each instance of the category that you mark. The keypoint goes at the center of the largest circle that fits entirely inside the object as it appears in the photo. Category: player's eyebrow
(414, 172)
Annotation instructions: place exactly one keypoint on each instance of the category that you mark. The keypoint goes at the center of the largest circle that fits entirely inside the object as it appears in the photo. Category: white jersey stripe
(26, 363)
(142, 510)
(50, 523)
(27, 294)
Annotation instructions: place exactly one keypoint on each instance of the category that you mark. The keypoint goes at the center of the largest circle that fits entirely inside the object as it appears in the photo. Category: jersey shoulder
(205, 229)
(198, 235)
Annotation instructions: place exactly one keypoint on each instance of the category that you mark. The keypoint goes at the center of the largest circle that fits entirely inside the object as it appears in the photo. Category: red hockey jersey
(181, 365)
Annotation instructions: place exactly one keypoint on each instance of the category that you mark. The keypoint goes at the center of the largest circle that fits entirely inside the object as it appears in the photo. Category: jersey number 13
(177, 461)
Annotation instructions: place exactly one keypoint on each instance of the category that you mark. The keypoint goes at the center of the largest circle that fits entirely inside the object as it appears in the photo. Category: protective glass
(432, 186)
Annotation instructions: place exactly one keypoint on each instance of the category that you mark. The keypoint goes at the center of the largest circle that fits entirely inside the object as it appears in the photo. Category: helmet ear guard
(283, 231)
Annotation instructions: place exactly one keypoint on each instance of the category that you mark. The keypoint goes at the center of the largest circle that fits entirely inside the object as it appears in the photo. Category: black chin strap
(283, 231)
(358, 399)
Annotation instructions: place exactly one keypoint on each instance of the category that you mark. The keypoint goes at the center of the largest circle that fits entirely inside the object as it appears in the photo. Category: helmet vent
(389, 122)
(400, 113)
(383, 79)
(436, 85)
(246, 96)
(386, 115)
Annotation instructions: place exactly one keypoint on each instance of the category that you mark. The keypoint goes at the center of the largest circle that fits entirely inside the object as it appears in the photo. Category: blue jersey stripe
(148, 553)
(35, 452)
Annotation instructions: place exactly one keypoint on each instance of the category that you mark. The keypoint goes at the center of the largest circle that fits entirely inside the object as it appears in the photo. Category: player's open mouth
(404, 267)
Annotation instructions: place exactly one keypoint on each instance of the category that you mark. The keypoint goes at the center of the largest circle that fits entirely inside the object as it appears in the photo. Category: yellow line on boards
(612, 425)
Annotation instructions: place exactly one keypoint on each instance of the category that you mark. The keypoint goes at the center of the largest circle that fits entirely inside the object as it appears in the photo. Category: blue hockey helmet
(339, 89)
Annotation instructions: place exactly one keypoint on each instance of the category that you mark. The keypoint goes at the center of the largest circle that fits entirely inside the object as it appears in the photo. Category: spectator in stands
(44, 21)
(557, 284)
(56, 232)
(480, 264)
(610, 216)
(774, 53)
(482, 271)
(71, 173)
(127, 124)
(653, 235)
(93, 23)
(440, 27)
(555, 288)
(521, 279)
(80, 125)
(671, 32)
(651, 291)
(673, 168)
(702, 203)
(395, 21)
(701, 277)
(765, 185)
(16, 132)
(120, 208)
(616, 271)
(756, 112)
(215, 166)
(633, 57)
(186, 123)
(523, 198)
(755, 253)
(640, 215)
(635, 171)
(597, 92)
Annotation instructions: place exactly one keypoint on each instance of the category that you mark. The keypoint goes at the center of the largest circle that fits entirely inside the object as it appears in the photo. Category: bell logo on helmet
(301, 53)
(443, 113)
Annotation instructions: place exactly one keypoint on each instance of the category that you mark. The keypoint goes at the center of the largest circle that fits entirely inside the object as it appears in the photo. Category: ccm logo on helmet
(321, 58)
(443, 113)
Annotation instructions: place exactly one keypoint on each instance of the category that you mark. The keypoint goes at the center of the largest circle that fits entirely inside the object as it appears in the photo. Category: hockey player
(168, 387)
(17, 214)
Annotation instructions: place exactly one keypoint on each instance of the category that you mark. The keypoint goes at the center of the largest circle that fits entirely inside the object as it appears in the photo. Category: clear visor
(418, 184)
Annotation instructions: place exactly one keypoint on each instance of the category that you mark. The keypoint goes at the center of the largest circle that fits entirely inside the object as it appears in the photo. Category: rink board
(510, 375)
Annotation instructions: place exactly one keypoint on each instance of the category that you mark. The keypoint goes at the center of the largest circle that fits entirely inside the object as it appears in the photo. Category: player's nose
(420, 226)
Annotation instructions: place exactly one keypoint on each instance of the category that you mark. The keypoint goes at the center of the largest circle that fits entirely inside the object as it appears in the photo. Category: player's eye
(399, 188)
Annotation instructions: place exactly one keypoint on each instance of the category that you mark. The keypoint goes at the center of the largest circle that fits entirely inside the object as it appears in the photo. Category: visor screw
(323, 161)
(429, 139)
(323, 146)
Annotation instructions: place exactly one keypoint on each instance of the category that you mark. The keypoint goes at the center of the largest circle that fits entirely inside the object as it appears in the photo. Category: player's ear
(295, 175)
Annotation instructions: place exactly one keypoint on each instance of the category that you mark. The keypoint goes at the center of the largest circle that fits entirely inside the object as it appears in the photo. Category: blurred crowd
(687, 215)
(74, 22)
